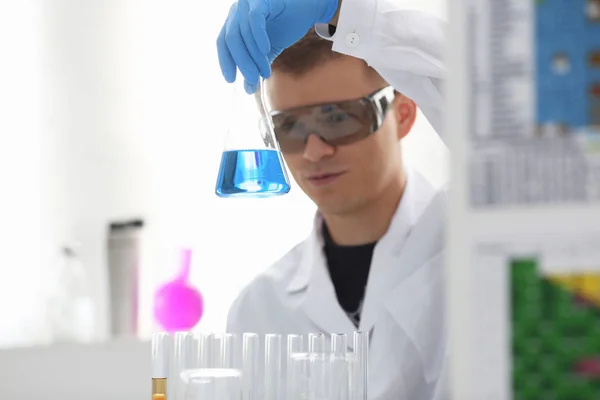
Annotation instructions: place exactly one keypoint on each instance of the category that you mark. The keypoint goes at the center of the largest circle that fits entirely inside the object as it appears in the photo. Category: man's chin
(335, 205)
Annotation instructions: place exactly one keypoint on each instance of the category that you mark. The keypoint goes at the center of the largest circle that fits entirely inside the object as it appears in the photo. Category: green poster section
(555, 338)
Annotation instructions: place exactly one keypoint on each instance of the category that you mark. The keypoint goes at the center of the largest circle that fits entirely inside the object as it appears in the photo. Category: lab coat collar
(417, 193)
(313, 281)
(311, 256)
(406, 214)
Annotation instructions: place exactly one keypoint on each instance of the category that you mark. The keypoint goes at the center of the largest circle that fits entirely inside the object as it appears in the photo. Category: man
(374, 259)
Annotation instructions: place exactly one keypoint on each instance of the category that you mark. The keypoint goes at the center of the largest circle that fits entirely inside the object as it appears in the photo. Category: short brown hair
(309, 52)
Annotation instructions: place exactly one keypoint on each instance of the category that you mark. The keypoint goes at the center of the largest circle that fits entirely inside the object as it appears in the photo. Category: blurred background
(114, 112)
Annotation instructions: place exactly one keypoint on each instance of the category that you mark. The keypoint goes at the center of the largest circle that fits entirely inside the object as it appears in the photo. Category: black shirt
(331, 30)
(349, 271)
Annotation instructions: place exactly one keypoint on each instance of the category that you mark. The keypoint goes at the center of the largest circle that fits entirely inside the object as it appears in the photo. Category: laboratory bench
(117, 370)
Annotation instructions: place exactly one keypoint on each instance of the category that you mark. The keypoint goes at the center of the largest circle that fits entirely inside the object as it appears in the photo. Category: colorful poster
(535, 102)
(555, 337)
(535, 320)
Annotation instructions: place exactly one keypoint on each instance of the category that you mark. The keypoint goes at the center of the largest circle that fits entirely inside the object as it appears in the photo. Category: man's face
(345, 178)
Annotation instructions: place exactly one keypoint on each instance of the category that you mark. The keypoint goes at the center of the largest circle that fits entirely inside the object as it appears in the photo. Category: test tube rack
(266, 367)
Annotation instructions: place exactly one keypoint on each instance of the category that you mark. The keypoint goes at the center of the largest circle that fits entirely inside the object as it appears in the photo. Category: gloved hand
(257, 31)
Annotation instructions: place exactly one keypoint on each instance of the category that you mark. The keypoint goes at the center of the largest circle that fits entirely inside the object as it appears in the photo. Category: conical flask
(251, 164)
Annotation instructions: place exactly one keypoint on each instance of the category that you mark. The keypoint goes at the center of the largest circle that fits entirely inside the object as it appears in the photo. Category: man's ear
(405, 112)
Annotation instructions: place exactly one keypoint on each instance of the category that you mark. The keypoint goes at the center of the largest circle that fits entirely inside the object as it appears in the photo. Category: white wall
(20, 172)
(96, 158)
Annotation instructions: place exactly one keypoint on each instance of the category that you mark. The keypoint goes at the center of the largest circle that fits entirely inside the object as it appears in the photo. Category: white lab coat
(404, 304)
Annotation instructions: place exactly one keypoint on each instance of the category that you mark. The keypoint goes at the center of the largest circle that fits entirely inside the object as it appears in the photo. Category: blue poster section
(567, 33)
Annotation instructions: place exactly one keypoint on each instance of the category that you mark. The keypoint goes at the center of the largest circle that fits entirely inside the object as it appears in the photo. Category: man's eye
(283, 123)
(336, 118)
(288, 125)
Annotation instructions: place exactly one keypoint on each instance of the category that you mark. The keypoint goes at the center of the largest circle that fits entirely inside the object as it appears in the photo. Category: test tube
(294, 346)
(250, 372)
(360, 365)
(339, 383)
(160, 365)
(316, 343)
(215, 353)
(205, 341)
(339, 344)
(192, 351)
(317, 367)
(298, 386)
(227, 350)
(319, 376)
(182, 356)
(273, 356)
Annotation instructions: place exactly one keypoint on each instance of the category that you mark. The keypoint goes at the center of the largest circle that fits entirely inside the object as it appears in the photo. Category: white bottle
(70, 304)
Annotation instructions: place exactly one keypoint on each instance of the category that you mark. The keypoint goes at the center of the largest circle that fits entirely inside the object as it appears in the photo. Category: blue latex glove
(257, 31)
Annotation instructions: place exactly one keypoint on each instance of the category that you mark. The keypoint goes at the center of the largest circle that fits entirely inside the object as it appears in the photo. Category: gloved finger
(226, 62)
(250, 88)
(238, 50)
(260, 59)
(259, 10)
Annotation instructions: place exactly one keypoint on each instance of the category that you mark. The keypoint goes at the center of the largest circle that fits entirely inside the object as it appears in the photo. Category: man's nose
(316, 149)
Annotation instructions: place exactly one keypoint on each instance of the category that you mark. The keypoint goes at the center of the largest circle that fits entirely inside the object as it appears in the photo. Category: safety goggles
(336, 124)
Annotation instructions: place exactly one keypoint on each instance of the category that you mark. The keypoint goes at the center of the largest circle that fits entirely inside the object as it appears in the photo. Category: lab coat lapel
(320, 302)
(413, 293)
(417, 303)
(388, 255)
(398, 254)
(417, 306)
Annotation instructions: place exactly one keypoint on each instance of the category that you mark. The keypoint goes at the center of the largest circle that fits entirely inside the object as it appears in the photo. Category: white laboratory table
(118, 370)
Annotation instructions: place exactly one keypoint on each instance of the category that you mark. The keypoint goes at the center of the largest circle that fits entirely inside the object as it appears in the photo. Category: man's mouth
(324, 179)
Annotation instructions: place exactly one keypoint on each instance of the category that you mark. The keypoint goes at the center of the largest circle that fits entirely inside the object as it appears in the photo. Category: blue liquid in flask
(251, 173)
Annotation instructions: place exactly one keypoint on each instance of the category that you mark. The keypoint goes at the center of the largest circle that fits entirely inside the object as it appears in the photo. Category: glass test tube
(299, 386)
(294, 346)
(192, 351)
(250, 372)
(317, 367)
(227, 351)
(319, 376)
(339, 383)
(273, 356)
(205, 342)
(215, 351)
(339, 344)
(182, 360)
(316, 343)
(360, 365)
(160, 365)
